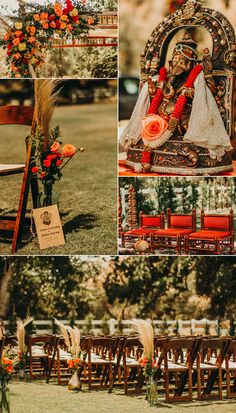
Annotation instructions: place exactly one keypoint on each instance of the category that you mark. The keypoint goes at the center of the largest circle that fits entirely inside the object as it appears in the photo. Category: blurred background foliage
(120, 287)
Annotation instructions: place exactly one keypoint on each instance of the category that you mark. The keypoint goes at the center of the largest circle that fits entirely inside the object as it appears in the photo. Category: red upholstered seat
(140, 231)
(181, 221)
(209, 234)
(172, 232)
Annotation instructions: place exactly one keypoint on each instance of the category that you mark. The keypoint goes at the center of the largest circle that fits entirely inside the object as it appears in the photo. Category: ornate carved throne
(176, 156)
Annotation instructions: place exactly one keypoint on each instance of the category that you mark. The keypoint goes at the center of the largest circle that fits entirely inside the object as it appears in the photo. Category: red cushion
(209, 234)
(216, 222)
(173, 232)
(154, 221)
(181, 221)
(139, 231)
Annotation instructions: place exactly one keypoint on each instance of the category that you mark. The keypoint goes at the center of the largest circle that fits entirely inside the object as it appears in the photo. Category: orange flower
(63, 17)
(153, 127)
(16, 41)
(90, 20)
(17, 56)
(44, 16)
(45, 25)
(55, 147)
(142, 361)
(77, 360)
(68, 150)
(36, 17)
(31, 39)
(58, 9)
(18, 33)
(63, 25)
(70, 27)
(6, 37)
(32, 30)
(53, 25)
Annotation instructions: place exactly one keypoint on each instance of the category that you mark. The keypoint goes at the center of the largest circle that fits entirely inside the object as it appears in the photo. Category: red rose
(8, 53)
(69, 5)
(58, 24)
(59, 155)
(65, 10)
(52, 17)
(47, 163)
(54, 156)
(59, 162)
(75, 19)
(35, 169)
(9, 46)
(21, 37)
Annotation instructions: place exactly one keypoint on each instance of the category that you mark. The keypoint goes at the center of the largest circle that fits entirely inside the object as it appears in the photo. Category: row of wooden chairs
(185, 365)
(215, 236)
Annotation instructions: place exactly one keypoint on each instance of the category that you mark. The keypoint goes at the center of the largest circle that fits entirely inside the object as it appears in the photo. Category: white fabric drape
(206, 127)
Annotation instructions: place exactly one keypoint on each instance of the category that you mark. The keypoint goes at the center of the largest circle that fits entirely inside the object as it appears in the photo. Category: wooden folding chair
(229, 365)
(209, 367)
(19, 115)
(38, 350)
(178, 362)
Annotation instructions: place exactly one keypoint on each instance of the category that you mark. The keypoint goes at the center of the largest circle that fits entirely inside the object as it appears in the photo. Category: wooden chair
(19, 115)
(179, 357)
(38, 350)
(229, 365)
(215, 236)
(147, 224)
(178, 225)
(209, 367)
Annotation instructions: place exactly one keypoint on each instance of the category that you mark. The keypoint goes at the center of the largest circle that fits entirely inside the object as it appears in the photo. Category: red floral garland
(181, 101)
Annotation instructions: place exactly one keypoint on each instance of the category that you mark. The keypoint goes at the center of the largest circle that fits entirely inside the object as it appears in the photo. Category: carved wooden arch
(192, 14)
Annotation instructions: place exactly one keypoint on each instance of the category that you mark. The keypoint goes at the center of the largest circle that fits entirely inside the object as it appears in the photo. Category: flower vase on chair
(74, 382)
(4, 397)
(48, 197)
(151, 390)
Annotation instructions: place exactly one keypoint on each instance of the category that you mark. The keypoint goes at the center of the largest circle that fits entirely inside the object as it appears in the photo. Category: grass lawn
(87, 189)
(43, 398)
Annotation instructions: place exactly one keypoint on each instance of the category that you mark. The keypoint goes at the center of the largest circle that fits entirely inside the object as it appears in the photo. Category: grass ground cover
(87, 189)
(42, 398)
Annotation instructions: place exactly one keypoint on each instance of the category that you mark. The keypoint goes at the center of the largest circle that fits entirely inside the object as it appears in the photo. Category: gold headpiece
(187, 47)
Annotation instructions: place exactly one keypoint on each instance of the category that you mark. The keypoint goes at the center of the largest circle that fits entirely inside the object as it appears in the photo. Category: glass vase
(151, 391)
(74, 382)
(48, 197)
(4, 397)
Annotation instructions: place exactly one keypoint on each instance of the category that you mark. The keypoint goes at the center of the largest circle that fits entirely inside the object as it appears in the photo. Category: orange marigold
(44, 16)
(6, 37)
(36, 17)
(31, 39)
(16, 41)
(68, 150)
(45, 25)
(55, 147)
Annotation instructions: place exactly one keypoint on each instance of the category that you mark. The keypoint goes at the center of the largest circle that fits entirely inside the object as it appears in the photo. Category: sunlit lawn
(88, 187)
(43, 398)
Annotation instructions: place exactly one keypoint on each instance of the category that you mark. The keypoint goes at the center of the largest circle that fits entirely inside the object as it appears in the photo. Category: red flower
(65, 11)
(58, 24)
(52, 17)
(9, 46)
(69, 5)
(35, 169)
(146, 157)
(59, 155)
(75, 19)
(58, 162)
(21, 37)
(47, 163)
(43, 175)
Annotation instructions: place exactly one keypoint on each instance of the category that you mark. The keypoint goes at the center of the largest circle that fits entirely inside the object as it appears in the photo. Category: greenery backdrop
(78, 288)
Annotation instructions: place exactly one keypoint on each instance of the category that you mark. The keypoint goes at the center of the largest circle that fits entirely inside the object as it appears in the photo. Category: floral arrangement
(50, 157)
(72, 341)
(156, 130)
(33, 32)
(50, 162)
(148, 362)
(6, 369)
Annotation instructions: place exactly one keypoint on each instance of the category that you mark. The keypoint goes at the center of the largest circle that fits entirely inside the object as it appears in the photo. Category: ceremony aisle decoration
(6, 369)
(147, 361)
(33, 29)
(22, 355)
(50, 157)
(72, 341)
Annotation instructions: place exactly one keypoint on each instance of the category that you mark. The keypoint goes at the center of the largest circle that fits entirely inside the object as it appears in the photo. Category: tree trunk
(4, 290)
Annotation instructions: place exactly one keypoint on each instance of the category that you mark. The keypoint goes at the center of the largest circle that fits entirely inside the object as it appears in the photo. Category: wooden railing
(171, 327)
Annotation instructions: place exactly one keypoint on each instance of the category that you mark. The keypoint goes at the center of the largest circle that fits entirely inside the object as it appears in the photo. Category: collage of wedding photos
(117, 206)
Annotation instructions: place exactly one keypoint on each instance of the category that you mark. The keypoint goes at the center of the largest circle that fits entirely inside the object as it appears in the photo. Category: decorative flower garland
(27, 39)
(156, 130)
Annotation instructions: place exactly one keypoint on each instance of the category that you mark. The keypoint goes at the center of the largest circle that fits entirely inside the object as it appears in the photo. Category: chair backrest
(219, 222)
(16, 115)
(152, 221)
(192, 15)
(185, 221)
